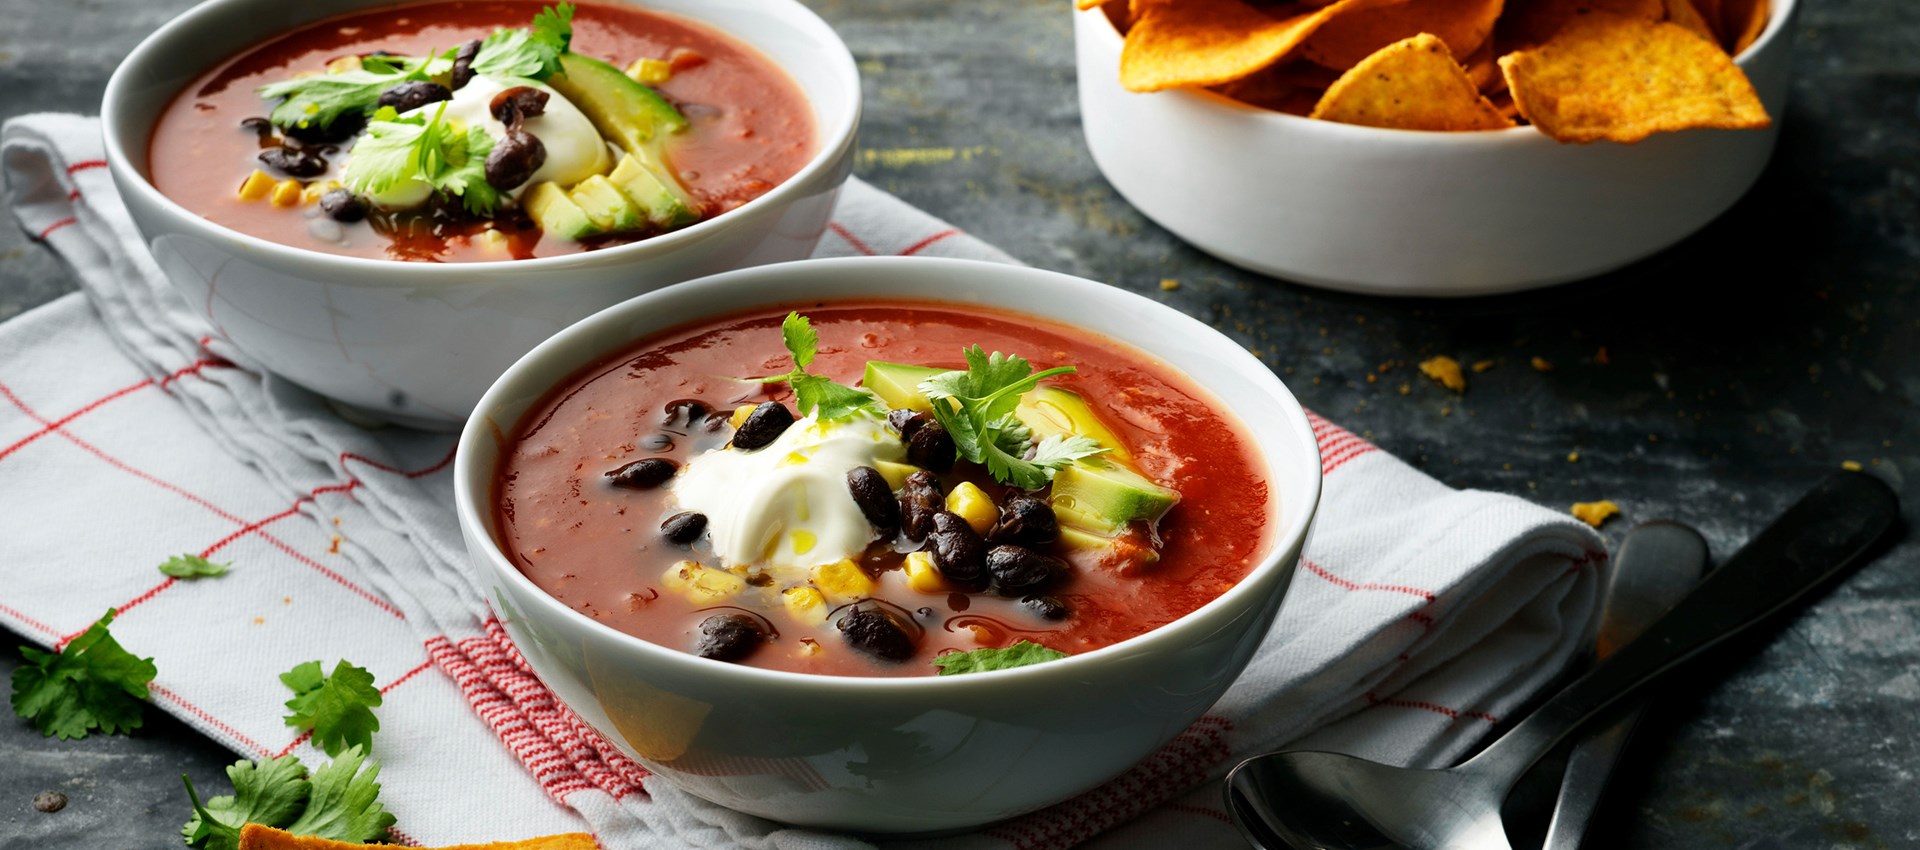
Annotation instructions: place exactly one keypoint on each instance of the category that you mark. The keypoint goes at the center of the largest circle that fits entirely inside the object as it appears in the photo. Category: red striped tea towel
(128, 434)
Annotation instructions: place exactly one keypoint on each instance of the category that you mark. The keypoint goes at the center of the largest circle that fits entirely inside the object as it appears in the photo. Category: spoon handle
(1821, 536)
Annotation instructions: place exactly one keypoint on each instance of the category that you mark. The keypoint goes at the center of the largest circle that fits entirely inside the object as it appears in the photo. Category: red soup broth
(599, 549)
(750, 127)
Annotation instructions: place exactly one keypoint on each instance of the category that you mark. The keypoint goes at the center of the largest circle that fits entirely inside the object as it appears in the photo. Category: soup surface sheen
(750, 127)
(599, 548)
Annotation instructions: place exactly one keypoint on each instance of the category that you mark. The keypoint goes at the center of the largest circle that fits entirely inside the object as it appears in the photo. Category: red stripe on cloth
(1436, 708)
(30, 622)
(195, 367)
(398, 837)
(55, 227)
(1328, 465)
(73, 196)
(50, 427)
(1172, 770)
(924, 244)
(85, 164)
(1203, 811)
(853, 240)
(418, 473)
(1348, 584)
(209, 719)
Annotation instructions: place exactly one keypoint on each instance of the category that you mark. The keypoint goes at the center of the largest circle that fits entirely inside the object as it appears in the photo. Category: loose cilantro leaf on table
(338, 709)
(193, 566)
(979, 415)
(396, 149)
(321, 99)
(339, 801)
(532, 53)
(91, 684)
(817, 394)
(981, 660)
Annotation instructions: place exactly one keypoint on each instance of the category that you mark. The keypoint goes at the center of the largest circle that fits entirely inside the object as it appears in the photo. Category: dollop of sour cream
(575, 150)
(786, 506)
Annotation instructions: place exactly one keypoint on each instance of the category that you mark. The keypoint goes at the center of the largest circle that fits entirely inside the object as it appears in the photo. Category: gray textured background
(1744, 364)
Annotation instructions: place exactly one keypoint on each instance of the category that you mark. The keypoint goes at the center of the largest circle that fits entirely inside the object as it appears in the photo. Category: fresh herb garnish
(319, 100)
(91, 684)
(817, 394)
(532, 53)
(338, 709)
(981, 660)
(397, 149)
(337, 802)
(193, 566)
(976, 406)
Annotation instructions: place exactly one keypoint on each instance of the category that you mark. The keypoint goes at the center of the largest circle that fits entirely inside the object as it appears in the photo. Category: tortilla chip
(1685, 15)
(1084, 5)
(1623, 79)
(1210, 42)
(1345, 40)
(1529, 23)
(1412, 84)
(1481, 69)
(1743, 21)
(1290, 87)
(253, 836)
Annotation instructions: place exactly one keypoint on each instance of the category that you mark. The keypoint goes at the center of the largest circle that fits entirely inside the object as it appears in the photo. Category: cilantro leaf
(1058, 450)
(338, 709)
(530, 53)
(796, 331)
(981, 660)
(321, 99)
(468, 178)
(818, 395)
(193, 566)
(980, 418)
(344, 805)
(397, 149)
(93, 683)
(273, 791)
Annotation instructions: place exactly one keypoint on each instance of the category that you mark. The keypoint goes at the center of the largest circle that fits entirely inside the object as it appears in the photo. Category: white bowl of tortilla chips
(1343, 145)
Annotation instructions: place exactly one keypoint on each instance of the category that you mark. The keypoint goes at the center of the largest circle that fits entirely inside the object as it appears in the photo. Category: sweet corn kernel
(344, 64)
(974, 506)
(922, 576)
(895, 473)
(286, 193)
(491, 241)
(842, 580)
(806, 605)
(313, 192)
(652, 72)
(740, 415)
(702, 584)
(257, 186)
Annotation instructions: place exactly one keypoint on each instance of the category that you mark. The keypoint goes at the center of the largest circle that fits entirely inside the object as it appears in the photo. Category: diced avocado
(895, 473)
(1118, 548)
(662, 206)
(898, 384)
(557, 214)
(1050, 411)
(634, 116)
(1110, 494)
(606, 205)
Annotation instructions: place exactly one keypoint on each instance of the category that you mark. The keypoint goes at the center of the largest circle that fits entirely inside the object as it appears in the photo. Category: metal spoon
(1328, 801)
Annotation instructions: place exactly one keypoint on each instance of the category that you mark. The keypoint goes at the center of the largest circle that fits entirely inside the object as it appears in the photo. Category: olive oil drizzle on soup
(600, 549)
(750, 129)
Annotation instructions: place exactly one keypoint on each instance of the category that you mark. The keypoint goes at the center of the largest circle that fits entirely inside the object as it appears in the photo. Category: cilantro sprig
(339, 801)
(398, 149)
(337, 708)
(532, 53)
(976, 406)
(193, 566)
(93, 683)
(981, 660)
(321, 99)
(817, 394)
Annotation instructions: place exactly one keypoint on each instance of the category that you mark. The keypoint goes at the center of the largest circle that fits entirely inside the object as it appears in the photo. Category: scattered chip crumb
(1446, 411)
(1168, 284)
(1540, 364)
(1406, 389)
(1573, 457)
(1601, 357)
(259, 621)
(1595, 514)
(286, 600)
(1373, 378)
(1482, 366)
(1653, 438)
(1850, 465)
(1446, 370)
(336, 522)
(334, 547)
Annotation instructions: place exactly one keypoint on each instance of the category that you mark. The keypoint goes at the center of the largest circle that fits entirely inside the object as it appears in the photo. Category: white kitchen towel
(130, 433)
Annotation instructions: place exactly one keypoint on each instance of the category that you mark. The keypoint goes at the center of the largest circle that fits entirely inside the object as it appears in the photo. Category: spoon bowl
(1339, 802)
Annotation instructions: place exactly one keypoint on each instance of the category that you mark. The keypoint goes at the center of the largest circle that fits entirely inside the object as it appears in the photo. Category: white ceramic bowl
(957, 751)
(1402, 212)
(418, 343)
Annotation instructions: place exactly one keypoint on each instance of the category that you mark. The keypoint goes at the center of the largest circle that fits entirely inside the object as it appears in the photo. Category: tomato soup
(730, 126)
(650, 493)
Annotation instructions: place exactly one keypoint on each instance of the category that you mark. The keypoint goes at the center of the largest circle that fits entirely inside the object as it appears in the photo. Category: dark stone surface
(1740, 366)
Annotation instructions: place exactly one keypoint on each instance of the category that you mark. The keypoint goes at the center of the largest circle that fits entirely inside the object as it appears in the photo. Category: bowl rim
(1778, 14)
(1287, 538)
(834, 144)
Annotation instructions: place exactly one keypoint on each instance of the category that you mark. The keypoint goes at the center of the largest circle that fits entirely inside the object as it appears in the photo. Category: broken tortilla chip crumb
(1540, 364)
(1445, 370)
(1595, 514)
(1850, 465)
(1482, 366)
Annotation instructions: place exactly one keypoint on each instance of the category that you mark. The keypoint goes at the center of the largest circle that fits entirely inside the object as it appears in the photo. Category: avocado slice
(1104, 497)
(661, 205)
(898, 384)
(606, 205)
(633, 115)
(1051, 411)
(557, 214)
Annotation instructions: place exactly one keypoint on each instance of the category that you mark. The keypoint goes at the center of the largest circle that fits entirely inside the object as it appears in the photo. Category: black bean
(920, 499)
(874, 631)
(729, 637)
(931, 448)
(343, 205)
(414, 94)
(907, 421)
(1026, 521)
(294, 163)
(1017, 569)
(684, 528)
(643, 474)
(958, 551)
(343, 128)
(258, 126)
(463, 63)
(514, 159)
(764, 425)
(517, 104)
(1048, 607)
(875, 498)
(681, 415)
